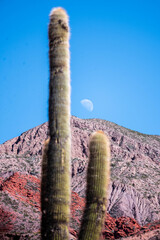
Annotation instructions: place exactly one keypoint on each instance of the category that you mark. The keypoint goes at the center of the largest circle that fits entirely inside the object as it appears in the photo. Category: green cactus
(97, 185)
(55, 184)
(56, 200)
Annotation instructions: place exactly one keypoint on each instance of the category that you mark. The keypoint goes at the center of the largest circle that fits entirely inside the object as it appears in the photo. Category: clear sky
(115, 62)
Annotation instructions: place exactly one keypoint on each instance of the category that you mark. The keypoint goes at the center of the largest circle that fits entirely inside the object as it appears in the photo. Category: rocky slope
(135, 176)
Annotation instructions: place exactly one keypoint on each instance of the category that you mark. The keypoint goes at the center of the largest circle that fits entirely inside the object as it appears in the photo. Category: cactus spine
(56, 200)
(97, 185)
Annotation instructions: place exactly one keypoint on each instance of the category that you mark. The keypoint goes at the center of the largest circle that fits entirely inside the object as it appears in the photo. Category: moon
(87, 104)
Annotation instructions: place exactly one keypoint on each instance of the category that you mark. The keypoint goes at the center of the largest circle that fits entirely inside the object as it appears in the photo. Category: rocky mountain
(134, 193)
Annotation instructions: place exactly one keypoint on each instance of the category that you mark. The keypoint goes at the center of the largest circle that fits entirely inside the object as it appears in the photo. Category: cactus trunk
(55, 217)
(97, 186)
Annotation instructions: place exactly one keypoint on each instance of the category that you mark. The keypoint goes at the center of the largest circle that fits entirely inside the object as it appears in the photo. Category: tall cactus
(55, 185)
(56, 200)
(97, 185)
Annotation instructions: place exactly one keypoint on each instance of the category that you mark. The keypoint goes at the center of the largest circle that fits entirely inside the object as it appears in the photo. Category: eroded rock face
(135, 166)
(126, 201)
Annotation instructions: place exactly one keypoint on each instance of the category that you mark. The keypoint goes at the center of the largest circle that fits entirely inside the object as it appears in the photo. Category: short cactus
(97, 185)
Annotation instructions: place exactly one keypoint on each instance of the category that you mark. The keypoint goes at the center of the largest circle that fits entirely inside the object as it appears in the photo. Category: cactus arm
(97, 185)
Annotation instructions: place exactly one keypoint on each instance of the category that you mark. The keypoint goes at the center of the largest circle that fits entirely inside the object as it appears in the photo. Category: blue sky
(115, 62)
